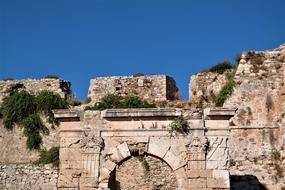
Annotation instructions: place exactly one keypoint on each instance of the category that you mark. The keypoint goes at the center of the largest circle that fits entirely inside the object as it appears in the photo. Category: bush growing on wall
(180, 125)
(220, 67)
(50, 156)
(22, 108)
(17, 107)
(115, 101)
(46, 101)
(224, 93)
(33, 125)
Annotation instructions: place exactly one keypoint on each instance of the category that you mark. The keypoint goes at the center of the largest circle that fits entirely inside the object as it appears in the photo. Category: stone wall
(252, 157)
(27, 176)
(203, 86)
(13, 144)
(152, 88)
(34, 86)
(257, 129)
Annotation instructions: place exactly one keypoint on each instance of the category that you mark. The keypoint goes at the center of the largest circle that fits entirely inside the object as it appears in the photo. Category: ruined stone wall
(27, 176)
(252, 158)
(203, 86)
(257, 129)
(153, 88)
(34, 86)
(13, 144)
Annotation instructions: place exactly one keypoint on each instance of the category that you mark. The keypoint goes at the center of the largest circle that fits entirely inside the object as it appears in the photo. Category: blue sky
(80, 40)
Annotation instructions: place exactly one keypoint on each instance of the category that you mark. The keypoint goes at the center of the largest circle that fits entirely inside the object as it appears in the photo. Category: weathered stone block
(195, 173)
(197, 165)
(197, 183)
(158, 146)
(124, 150)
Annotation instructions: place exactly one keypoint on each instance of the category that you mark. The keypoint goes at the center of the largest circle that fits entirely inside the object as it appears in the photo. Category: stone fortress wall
(151, 88)
(255, 131)
(16, 169)
(34, 86)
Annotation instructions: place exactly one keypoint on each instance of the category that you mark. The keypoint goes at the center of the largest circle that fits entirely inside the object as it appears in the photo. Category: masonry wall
(27, 176)
(253, 158)
(152, 88)
(257, 129)
(13, 144)
(34, 86)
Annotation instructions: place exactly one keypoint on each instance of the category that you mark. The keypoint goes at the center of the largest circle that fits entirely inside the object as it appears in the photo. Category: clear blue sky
(80, 40)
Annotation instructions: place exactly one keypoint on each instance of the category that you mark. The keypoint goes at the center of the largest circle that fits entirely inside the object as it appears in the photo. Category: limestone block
(86, 182)
(217, 124)
(103, 185)
(109, 165)
(217, 132)
(203, 173)
(197, 183)
(66, 141)
(197, 165)
(217, 154)
(223, 174)
(174, 161)
(124, 150)
(68, 178)
(197, 123)
(197, 156)
(182, 179)
(216, 141)
(221, 179)
(212, 164)
(115, 155)
(158, 146)
(104, 174)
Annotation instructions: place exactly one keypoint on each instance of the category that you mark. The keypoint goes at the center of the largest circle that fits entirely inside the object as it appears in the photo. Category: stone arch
(122, 153)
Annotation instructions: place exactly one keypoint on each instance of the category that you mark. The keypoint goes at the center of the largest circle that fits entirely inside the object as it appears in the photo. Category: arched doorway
(142, 172)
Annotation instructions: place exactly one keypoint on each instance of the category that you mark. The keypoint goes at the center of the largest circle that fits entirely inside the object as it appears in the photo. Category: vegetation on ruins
(224, 93)
(50, 156)
(144, 163)
(115, 101)
(277, 160)
(220, 67)
(46, 101)
(52, 77)
(179, 125)
(23, 109)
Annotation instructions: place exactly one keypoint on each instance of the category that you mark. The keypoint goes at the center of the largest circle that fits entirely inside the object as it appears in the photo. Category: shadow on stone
(246, 182)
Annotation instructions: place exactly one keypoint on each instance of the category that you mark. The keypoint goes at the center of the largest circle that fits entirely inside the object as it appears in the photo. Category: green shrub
(180, 125)
(112, 100)
(17, 107)
(47, 101)
(220, 67)
(115, 101)
(51, 77)
(135, 102)
(50, 156)
(32, 127)
(224, 93)
(22, 108)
